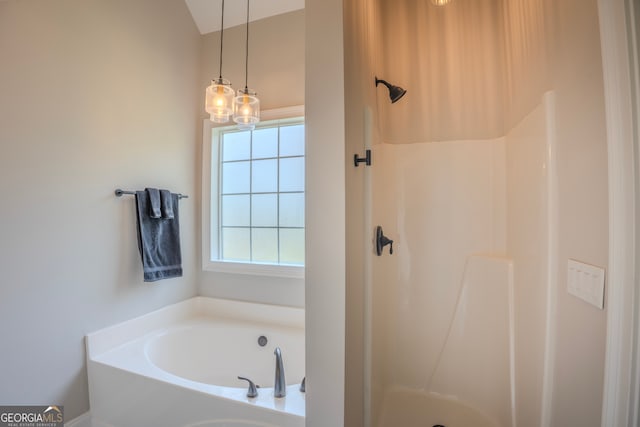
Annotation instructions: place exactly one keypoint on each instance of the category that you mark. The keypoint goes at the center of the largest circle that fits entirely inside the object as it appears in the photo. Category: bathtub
(178, 367)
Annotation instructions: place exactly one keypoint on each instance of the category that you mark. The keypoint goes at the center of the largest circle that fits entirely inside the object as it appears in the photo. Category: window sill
(274, 270)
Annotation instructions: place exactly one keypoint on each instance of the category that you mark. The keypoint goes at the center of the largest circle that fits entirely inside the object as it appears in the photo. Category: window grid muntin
(278, 199)
(277, 193)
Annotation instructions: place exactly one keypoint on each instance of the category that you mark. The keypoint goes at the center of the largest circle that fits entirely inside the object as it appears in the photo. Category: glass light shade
(246, 109)
(440, 2)
(219, 100)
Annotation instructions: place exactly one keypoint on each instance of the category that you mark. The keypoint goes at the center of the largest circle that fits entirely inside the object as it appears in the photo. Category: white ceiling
(206, 13)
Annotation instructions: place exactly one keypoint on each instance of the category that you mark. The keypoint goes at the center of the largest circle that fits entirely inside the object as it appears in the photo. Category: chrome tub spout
(280, 385)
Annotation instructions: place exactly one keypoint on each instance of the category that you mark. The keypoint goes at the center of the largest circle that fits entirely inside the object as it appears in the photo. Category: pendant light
(219, 96)
(246, 106)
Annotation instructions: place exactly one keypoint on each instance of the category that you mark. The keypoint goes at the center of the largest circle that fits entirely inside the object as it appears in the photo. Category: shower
(455, 169)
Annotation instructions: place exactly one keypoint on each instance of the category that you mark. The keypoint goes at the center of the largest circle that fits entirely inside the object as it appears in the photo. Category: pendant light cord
(246, 58)
(221, 37)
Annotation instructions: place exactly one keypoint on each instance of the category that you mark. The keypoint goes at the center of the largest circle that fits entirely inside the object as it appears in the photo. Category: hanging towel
(166, 202)
(158, 240)
(154, 202)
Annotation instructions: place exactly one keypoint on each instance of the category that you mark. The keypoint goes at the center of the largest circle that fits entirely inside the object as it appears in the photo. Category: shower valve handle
(382, 241)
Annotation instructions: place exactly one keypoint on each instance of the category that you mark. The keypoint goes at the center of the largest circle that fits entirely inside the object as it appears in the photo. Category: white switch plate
(586, 282)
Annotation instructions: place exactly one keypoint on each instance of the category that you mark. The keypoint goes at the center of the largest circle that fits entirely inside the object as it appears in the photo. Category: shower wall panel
(475, 366)
(532, 244)
(441, 203)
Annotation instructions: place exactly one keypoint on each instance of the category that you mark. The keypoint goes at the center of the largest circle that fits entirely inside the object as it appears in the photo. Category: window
(254, 196)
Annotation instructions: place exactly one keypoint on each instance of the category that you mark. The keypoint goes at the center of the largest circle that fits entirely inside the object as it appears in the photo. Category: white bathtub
(178, 366)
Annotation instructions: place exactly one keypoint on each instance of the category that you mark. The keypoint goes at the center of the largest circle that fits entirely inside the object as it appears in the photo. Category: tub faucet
(280, 385)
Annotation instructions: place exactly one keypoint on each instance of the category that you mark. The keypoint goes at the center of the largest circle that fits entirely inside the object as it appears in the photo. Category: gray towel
(166, 202)
(154, 202)
(158, 240)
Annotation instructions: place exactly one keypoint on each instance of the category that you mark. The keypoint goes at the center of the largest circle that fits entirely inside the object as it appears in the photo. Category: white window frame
(210, 205)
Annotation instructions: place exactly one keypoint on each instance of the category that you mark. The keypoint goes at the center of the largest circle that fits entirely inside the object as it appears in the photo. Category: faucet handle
(303, 387)
(253, 389)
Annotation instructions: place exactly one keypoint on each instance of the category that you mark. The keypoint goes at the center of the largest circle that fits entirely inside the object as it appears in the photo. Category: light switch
(586, 282)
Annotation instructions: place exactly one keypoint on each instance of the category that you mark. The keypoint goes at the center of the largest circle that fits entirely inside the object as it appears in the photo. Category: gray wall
(94, 95)
(576, 70)
(325, 214)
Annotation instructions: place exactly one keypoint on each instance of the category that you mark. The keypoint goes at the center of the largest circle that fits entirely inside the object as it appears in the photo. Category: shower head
(395, 92)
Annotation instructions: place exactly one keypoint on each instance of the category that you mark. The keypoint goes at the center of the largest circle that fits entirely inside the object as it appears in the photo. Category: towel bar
(120, 192)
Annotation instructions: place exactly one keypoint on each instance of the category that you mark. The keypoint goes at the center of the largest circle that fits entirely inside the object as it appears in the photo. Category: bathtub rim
(111, 337)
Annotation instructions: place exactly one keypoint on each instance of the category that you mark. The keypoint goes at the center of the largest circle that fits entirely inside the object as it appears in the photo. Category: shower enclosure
(456, 325)
(445, 308)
